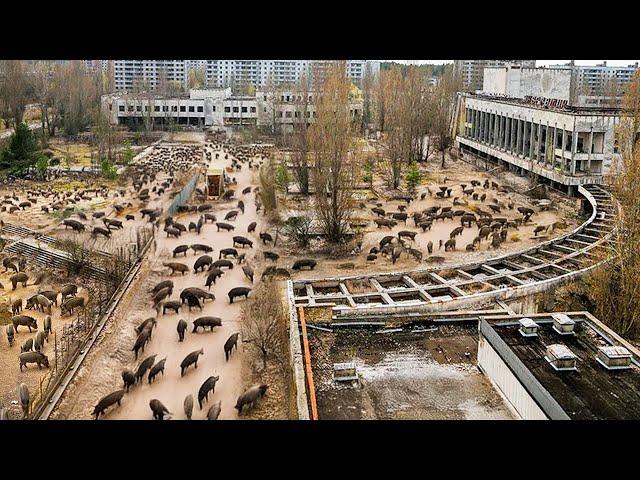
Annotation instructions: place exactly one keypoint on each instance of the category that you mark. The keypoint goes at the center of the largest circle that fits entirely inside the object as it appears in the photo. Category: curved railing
(513, 275)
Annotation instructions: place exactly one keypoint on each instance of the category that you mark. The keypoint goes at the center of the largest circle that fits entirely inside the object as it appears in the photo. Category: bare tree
(443, 109)
(299, 138)
(615, 290)
(330, 144)
(405, 120)
(14, 92)
(264, 323)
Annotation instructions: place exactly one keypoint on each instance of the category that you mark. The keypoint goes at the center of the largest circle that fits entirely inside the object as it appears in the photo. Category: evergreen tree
(22, 151)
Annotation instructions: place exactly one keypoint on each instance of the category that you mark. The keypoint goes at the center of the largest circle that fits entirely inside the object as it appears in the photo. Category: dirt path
(101, 373)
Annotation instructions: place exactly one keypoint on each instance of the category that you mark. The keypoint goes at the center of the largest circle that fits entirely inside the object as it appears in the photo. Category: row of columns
(521, 138)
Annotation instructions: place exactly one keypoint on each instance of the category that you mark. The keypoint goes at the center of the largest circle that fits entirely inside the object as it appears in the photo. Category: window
(156, 108)
(121, 108)
(174, 108)
(165, 108)
(227, 109)
(192, 108)
(213, 108)
(200, 109)
(236, 109)
(244, 109)
(130, 108)
(280, 113)
(183, 108)
(264, 109)
(253, 109)
(287, 114)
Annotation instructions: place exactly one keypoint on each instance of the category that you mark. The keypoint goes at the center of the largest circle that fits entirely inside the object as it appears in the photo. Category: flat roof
(416, 374)
(568, 109)
(591, 392)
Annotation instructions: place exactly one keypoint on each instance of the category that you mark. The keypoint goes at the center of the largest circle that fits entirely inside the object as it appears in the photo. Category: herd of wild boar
(489, 223)
(193, 297)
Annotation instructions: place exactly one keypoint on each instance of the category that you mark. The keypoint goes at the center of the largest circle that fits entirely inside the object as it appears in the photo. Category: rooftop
(591, 391)
(546, 104)
(421, 373)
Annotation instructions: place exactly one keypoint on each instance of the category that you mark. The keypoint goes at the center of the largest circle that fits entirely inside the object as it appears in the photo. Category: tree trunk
(443, 152)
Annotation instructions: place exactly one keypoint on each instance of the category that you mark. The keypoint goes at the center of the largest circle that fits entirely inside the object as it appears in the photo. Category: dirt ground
(334, 263)
(10, 375)
(418, 396)
(101, 373)
(413, 375)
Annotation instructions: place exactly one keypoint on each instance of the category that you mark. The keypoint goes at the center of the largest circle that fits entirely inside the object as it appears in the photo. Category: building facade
(262, 73)
(600, 85)
(564, 146)
(128, 74)
(217, 108)
(472, 71)
(533, 120)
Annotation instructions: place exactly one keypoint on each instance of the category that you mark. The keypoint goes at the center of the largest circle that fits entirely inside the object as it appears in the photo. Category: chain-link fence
(75, 334)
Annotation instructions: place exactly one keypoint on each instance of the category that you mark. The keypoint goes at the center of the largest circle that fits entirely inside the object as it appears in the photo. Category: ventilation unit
(528, 328)
(614, 357)
(560, 357)
(563, 325)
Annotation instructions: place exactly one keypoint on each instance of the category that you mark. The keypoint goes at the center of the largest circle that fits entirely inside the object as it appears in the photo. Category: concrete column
(564, 142)
(518, 137)
(539, 142)
(574, 147)
(487, 117)
(473, 124)
(531, 142)
(590, 148)
(507, 136)
(555, 140)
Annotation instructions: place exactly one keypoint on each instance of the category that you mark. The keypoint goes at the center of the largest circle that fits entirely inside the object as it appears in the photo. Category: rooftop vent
(563, 325)
(614, 357)
(560, 357)
(528, 328)
(345, 372)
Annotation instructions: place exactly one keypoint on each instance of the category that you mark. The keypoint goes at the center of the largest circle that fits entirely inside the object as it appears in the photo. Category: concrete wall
(505, 381)
(546, 82)
(495, 80)
(297, 364)
(516, 382)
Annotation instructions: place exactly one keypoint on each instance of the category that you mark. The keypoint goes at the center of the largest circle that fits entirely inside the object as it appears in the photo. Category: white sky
(539, 63)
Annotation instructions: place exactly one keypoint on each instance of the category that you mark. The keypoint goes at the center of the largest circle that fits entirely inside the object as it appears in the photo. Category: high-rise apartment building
(149, 73)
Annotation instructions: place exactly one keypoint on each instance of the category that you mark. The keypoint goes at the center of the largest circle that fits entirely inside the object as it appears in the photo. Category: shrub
(108, 170)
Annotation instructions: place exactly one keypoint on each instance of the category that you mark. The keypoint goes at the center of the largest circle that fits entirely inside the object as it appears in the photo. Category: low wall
(295, 348)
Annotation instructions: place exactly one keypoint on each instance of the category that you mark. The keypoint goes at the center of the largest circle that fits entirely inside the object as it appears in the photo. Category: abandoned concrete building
(560, 366)
(472, 71)
(530, 120)
(217, 107)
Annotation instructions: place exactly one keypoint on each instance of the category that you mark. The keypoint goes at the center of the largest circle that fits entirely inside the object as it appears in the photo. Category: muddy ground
(428, 375)
(335, 261)
(10, 375)
(473, 397)
(101, 373)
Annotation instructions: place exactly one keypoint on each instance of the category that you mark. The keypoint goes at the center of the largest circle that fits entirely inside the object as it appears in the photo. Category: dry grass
(80, 153)
(514, 237)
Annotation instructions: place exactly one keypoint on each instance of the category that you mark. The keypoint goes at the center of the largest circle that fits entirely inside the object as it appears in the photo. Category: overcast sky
(540, 63)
